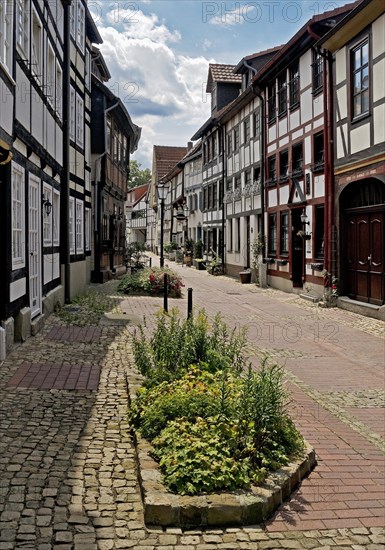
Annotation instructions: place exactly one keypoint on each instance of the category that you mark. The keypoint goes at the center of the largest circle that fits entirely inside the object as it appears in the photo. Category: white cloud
(163, 92)
(207, 44)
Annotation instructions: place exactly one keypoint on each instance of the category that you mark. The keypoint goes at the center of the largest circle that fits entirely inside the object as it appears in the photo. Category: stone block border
(165, 509)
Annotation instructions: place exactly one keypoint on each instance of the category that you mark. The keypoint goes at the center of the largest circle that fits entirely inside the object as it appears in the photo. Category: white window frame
(56, 217)
(6, 31)
(72, 18)
(37, 47)
(72, 225)
(79, 121)
(80, 25)
(59, 90)
(22, 27)
(47, 218)
(51, 76)
(72, 113)
(18, 216)
(88, 221)
(79, 225)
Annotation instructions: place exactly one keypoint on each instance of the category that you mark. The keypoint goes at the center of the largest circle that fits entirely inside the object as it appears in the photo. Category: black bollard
(189, 302)
(165, 292)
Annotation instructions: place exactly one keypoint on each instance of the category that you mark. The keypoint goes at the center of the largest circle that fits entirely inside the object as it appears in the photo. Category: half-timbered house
(355, 49)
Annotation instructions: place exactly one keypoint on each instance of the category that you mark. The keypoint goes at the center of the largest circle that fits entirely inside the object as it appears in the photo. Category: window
(236, 138)
(22, 26)
(360, 77)
(88, 220)
(79, 121)
(272, 242)
(318, 152)
(80, 37)
(248, 178)
(71, 227)
(109, 134)
(79, 227)
(59, 91)
(56, 217)
(246, 130)
(319, 232)
(284, 234)
(229, 143)
(205, 199)
(257, 122)
(6, 10)
(72, 18)
(317, 70)
(294, 85)
(88, 69)
(238, 182)
(215, 196)
(257, 174)
(51, 73)
(36, 65)
(72, 114)
(229, 184)
(214, 146)
(283, 165)
(230, 235)
(297, 159)
(272, 174)
(47, 218)
(209, 197)
(237, 234)
(271, 94)
(18, 220)
(282, 95)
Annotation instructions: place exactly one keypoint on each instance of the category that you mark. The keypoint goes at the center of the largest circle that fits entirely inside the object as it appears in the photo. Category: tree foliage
(137, 176)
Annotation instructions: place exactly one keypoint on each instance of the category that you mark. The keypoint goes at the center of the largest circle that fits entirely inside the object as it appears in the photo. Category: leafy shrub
(176, 344)
(197, 457)
(197, 394)
(218, 431)
(151, 281)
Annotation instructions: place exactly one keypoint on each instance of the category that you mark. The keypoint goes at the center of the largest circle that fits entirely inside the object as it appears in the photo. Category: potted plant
(188, 251)
(170, 249)
(199, 262)
(306, 236)
(257, 248)
(245, 276)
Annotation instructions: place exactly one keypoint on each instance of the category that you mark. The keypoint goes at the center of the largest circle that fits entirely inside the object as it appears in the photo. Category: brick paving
(67, 463)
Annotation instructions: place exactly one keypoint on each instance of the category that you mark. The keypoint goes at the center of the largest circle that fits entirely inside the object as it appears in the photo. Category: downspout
(98, 196)
(65, 194)
(330, 148)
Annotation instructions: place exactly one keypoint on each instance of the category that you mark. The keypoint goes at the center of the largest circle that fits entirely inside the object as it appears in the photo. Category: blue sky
(158, 53)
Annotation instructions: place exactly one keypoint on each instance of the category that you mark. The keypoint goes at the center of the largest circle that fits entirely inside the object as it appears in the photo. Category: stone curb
(162, 508)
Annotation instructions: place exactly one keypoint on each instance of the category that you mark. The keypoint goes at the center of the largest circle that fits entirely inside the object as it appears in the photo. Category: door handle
(370, 259)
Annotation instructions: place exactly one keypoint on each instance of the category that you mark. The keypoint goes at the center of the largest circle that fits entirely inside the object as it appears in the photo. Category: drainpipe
(330, 148)
(224, 176)
(65, 193)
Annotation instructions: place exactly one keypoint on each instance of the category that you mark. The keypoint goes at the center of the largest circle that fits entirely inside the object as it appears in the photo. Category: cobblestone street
(67, 461)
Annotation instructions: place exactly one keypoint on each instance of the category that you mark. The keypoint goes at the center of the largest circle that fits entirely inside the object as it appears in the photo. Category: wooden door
(297, 249)
(364, 274)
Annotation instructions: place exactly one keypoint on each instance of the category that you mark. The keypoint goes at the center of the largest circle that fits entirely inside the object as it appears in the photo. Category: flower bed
(214, 425)
(151, 281)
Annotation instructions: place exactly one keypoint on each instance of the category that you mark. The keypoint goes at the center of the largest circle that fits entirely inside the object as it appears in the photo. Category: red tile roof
(165, 158)
(222, 73)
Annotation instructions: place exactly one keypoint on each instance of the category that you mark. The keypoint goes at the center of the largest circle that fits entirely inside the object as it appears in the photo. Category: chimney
(189, 145)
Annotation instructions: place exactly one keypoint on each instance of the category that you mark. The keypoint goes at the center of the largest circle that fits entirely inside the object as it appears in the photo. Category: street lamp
(304, 219)
(162, 190)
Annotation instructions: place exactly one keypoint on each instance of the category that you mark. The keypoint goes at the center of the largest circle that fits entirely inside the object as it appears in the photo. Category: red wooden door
(365, 275)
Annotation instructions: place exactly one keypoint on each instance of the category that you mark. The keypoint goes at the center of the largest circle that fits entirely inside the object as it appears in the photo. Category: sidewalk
(67, 464)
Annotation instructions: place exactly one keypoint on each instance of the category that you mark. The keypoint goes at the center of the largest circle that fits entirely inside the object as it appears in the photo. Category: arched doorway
(362, 250)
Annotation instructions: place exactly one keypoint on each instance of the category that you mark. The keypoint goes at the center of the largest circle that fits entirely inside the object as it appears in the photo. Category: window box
(318, 167)
(298, 172)
(317, 266)
(268, 261)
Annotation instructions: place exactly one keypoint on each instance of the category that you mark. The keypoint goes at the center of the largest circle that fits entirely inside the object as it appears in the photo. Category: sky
(158, 52)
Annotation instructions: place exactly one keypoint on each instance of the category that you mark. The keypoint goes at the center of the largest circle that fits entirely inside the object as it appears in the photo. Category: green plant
(134, 255)
(257, 248)
(170, 247)
(151, 281)
(87, 308)
(197, 394)
(176, 344)
(197, 457)
(189, 246)
(198, 249)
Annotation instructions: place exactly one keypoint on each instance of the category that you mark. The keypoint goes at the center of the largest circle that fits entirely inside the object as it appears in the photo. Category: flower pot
(245, 277)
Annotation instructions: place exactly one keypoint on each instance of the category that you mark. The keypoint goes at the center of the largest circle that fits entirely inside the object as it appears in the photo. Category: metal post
(161, 232)
(189, 302)
(165, 292)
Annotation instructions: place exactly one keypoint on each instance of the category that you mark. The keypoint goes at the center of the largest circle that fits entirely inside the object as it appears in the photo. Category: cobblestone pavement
(67, 463)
